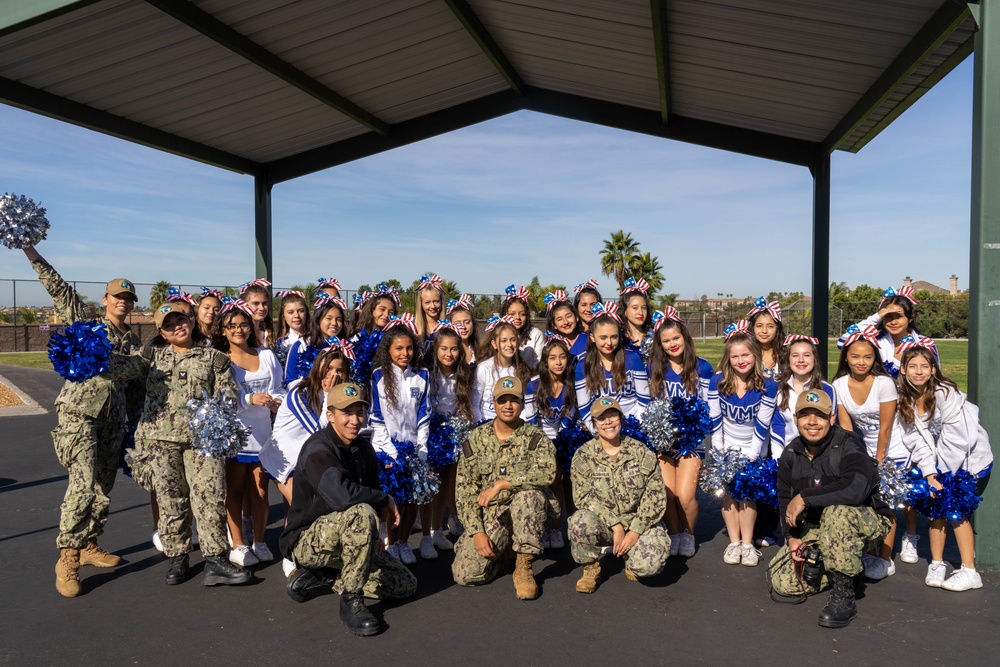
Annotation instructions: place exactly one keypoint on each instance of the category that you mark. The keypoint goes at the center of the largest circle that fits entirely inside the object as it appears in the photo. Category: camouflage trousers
(347, 541)
(89, 448)
(587, 534)
(843, 534)
(516, 526)
(185, 482)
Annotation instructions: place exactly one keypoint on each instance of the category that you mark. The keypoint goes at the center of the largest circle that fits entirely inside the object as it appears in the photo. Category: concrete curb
(30, 407)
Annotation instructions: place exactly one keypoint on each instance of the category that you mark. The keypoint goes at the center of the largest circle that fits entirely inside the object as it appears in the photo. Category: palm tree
(618, 255)
(158, 295)
(647, 266)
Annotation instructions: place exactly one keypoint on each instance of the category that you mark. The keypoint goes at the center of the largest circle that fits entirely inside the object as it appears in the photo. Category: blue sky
(502, 201)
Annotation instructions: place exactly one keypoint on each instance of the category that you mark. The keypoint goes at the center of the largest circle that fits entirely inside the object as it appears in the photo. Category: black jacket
(855, 484)
(330, 477)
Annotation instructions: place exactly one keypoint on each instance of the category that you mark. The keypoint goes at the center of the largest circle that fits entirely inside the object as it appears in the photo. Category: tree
(648, 267)
(618, 254)
(158, 295)
(26, 316)
(536, 304)
(670, 299)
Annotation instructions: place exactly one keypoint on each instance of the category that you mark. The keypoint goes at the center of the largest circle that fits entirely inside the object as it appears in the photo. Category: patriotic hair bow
(553, 337)
(360, 299)
(406, 320)
(322, 298)
(740, 326)
(795, 338)
(175, 294)
(668, 313)
(609, 308)
(552, 298)
(516, 293)
(855, 333)
(761, 305)
(260, 282)
(448, 324)
(910, 344)
(430, 281)
(345, 347)
(281, 294)
(494, 321)
(590, 284)
(228, 303)
(391, 292)
(633, 285)
(464, 301)
(328, 283)
(906, 291)
(212, 292)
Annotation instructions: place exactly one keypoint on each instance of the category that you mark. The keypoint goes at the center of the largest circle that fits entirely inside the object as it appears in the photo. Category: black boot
(177, 569)
(356, 616)
(306, 583)
(218, 570)
(840, 610)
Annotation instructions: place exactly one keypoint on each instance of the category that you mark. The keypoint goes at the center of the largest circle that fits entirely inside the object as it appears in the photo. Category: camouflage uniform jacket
(629, 491)
(103, 394)
(527, 460)
(174, 378)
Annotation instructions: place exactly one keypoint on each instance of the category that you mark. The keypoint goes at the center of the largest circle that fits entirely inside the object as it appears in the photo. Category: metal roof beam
(203, 22)
(25, 97)
(485, 40)
(949, 16)
(661, 44)
(21, 14)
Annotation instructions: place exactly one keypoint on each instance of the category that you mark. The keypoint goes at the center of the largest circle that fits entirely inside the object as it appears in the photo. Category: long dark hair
(623, 302)
(909, 312)
(522, 333)
(756, 381)
(543, 395)
(658, 360)
(219, 340)
(486, 351)
(779, 336)
(906, 406)
(283, 327)
(550, 323)
(473, 334)
(384, 362)
(844, 368)
(464, 374)
(815, 380)
(592, 367)
(315, 333)
(576, 303)
(311, 386)
(364, 320)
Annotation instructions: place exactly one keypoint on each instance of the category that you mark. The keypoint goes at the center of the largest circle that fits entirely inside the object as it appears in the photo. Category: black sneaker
(177, 569)
(218, 570)
(356, 616)
(306, 583)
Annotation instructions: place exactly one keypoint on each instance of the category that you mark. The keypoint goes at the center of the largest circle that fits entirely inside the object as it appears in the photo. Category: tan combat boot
(524, 578)
(68, 573)
(95, 555)
(630, 575)
(590, 578)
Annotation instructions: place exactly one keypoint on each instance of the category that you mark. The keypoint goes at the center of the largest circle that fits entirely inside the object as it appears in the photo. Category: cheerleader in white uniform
(500, 358)
(459, 313)
(767, 329)
(293, 325)
(896, 323)
(529, 339)
(799, 371)
(328, 321)
(429, 306)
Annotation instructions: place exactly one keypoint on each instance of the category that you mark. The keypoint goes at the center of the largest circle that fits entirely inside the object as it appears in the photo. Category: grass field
(954, 358)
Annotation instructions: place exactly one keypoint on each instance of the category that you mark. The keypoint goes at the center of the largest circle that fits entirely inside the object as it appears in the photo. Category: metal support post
(821, 254)
(262, 226)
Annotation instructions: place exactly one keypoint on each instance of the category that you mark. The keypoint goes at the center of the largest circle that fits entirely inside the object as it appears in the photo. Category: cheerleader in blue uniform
(429, 305)
(586, 298)
(741, 404)
(459, 313)
(561, 318)
(294, 323)
(529, 339)
(328, 321)
(676, 370)
(799, 372)
(634, 305)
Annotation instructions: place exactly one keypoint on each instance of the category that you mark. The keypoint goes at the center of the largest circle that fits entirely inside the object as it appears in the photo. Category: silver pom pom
(718, 472)
(658, 426)
(461, 426)
(893, 484)
(22, 222)
(215, 431)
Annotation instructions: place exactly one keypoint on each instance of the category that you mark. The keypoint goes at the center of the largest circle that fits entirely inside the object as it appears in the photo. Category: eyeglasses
(503, 400)
(237, 327)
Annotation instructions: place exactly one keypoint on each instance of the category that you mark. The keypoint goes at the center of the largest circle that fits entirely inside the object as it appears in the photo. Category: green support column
(262, 225)
(821, 254)
(984, 266)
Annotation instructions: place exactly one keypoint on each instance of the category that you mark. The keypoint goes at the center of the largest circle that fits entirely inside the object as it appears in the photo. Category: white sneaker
(455, 526)
(908, 549)
(406, 553)
(963, 579)
(287, 567)
(242, 556)
(764, 542)
(750, 556)
(875, 568)
(247, 530)
(393, 550)
(936, 573)
(441, 541)
(556, 539)
(675, 543)
(262, 553)
(733, 554)
(157, 543)
(891, 568)
(686, 547)
(427, 550)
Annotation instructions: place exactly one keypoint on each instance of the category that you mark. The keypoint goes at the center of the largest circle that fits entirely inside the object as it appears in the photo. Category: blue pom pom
(80, 351)
(756, 482)
(915, 474)
(955, 501)
(632, 428)
(420, 483)
(364, 352)
(444, 445)
(391, 477)
(567, 441)
(692, 424)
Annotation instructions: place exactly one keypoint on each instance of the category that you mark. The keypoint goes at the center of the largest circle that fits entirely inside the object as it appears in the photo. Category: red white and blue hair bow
(551, 338)
(633, 285)
(516, 293)
(464, 301)
(212, 292)
(391, 292)
(260, 282)
(761, 305)
(909, 343)
(406, 320)
(590, 284)
(795, 338)
(345, 347)
(430, 281)
(495, 321)
(228, 303)
(361, 299)
(175, 294)
(855, 333)
(906, 291)
(281, 294)
(609, 308)
(552, 298)
(322, 298)
(668, 313)
(448, 324)
(328, 283)
(740, 326)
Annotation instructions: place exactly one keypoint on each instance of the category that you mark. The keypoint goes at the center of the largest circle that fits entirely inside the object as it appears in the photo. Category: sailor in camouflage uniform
(503, 494)
(182, 478)
(91, 425)
(620, 498)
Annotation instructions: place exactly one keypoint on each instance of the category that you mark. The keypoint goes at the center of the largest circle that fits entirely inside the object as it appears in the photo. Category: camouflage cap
(166, 309)
(120, 286)
(813, 399)
(602, 405)
(344, 395)
(509, 386)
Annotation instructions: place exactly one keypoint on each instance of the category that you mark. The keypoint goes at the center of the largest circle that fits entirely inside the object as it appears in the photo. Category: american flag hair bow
(322, 298)
(212, 292)
(552, 298)
(795, 338)
(855, 333)
(448, 324)
(669, 313)
(517, 293)
(281, 294)
(328, 283)
(175, 294)
(910, 344)
(761, 305)
(228, 303)
(495, 321)
(260, 282)
(906, 291)
(406, 320)
(590, 284)
(430, 281)
(609, 308)
(553, 337)
(345, 347)
(384, 289)
(740, 326)
(633, 285)
(464, 301)
(360, 299)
